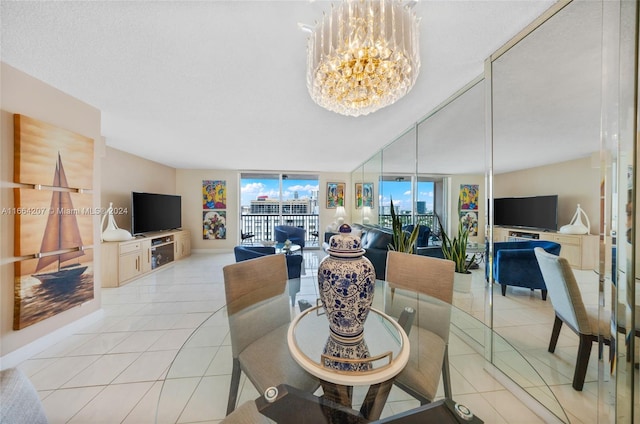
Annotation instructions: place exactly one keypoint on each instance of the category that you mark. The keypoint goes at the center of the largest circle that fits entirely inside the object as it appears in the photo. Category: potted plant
(402, 240)
(455, 249)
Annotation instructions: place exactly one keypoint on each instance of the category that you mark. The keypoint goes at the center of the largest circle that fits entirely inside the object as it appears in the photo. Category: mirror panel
(371, 174)
(397, 183)
(546, 108)
(451, 154)
(546, 97)
(620, 148)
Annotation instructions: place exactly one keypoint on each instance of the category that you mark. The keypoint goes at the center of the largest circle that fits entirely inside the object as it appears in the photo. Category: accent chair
(297, 235)
(515, 264)
(570, 309)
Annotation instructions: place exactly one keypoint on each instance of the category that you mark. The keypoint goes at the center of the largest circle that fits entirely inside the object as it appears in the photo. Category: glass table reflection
(373, 359)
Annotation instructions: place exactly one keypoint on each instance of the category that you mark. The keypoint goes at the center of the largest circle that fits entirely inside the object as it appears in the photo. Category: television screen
(539, 212)
(155, 212)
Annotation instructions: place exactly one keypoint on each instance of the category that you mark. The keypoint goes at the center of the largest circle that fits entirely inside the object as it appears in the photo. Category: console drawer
(129, 247)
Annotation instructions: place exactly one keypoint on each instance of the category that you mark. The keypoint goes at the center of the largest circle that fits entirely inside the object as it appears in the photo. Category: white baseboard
(27, 351)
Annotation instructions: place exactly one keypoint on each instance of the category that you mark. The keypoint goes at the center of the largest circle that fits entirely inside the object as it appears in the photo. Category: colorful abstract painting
(335, 195)
(469, 220)
(469, 197)
(214, 194)
(214, 225)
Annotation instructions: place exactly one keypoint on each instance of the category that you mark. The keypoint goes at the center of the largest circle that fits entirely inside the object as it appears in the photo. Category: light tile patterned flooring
(113, 371)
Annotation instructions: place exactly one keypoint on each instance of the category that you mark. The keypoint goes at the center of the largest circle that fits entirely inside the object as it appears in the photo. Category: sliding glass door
(270, 199)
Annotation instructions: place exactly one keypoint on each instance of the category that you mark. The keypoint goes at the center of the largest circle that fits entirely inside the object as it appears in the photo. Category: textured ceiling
(221, 84)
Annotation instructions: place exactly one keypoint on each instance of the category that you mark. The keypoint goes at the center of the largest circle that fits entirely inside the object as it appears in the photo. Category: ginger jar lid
(344, 244)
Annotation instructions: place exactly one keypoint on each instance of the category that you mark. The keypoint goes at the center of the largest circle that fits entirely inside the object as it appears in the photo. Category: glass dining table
(373, 359)
(196, 385)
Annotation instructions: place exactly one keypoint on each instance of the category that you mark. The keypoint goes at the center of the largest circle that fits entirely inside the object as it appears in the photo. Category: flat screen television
(155, 212)
(536, 212)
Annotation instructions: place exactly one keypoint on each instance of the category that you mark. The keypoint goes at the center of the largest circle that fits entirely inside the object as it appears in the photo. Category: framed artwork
(214, 225)
(469, 197)
(41, 148)
(367, 194)
(364, 195)
(358, 192)
(469, 220)
(53, 220)
(335, 195)
(468, 207)
(43, 290)
(214, 194)
(47, 221)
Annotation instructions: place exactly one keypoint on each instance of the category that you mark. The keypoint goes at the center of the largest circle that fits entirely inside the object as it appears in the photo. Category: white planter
(462, 282)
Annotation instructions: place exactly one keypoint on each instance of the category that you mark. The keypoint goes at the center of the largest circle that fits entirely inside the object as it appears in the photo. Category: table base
(373, 403)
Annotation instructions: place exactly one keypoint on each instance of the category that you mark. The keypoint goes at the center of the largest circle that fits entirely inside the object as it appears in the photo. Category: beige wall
(28, 96)
(123, 173)
(454, 193)
(574, 182)
(189, 186)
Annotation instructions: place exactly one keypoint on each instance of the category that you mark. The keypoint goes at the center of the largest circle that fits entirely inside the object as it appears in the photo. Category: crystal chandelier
(363, 56)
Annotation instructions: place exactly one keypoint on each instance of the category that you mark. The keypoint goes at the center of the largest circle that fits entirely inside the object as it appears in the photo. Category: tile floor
(113, 371)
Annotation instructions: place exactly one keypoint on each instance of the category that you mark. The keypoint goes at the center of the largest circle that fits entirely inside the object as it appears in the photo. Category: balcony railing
(427, 219)
(262, 225)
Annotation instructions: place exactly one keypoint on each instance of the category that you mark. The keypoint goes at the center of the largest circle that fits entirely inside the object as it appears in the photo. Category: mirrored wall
(555, 114)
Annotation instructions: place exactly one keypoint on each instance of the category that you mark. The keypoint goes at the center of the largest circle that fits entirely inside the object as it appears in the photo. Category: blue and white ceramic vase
(346, 280)
(346, 355)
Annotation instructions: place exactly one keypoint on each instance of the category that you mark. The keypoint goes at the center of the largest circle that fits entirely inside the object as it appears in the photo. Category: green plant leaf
(401, 241)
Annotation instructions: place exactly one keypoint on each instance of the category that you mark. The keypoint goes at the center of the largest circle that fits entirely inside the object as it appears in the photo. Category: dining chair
(429, 335)
(259, 316)
(569, 308)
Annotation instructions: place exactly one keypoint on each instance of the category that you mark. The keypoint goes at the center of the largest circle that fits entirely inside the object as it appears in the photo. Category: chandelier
(363, 56)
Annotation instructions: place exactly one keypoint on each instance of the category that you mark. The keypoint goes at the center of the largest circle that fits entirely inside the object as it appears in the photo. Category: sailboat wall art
(54, 220)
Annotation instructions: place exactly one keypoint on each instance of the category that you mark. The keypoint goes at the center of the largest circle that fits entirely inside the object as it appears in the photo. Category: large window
(399, 189)
(267, 200)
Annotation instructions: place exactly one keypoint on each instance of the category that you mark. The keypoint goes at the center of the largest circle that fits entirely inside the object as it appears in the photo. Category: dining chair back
(569, 308)
(259, 315)
(408, 274)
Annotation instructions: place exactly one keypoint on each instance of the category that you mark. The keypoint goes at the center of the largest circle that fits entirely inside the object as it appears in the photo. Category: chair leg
(503, 287)
(446, 374)
(584, 351)
(557, 325)
(544, 294)
(233, 388)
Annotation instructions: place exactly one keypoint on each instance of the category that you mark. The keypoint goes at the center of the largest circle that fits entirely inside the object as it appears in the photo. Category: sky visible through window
(400, 192)
(252, 188)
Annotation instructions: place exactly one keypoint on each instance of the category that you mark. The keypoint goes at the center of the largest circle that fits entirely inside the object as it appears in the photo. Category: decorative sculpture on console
(576, 226)
(112, 232)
